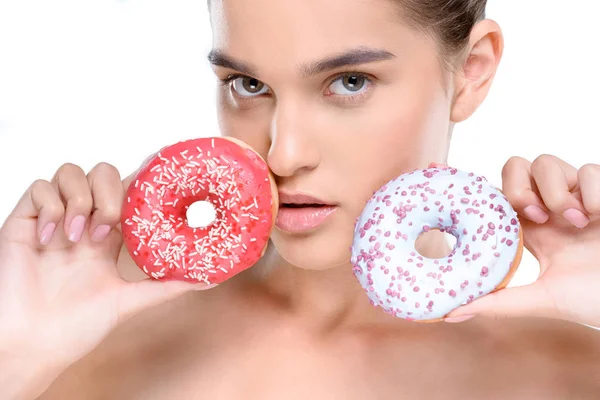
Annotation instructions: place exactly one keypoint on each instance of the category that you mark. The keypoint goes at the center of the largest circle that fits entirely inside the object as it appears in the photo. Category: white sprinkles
(158, 225)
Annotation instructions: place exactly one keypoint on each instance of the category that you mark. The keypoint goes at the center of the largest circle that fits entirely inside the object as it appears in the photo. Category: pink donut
(413, 287)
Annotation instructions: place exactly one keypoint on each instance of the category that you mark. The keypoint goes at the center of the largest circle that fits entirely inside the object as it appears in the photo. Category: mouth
(303, 205)
(301, 212)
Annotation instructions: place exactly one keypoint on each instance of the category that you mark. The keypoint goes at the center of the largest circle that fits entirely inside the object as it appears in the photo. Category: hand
(60, 292)
(559, 211)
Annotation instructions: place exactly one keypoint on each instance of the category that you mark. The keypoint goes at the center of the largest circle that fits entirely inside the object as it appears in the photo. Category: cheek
(406, 122)
(251, 126)
(403, 131)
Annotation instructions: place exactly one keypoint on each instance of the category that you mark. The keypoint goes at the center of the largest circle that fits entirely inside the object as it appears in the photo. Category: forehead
(282, 31)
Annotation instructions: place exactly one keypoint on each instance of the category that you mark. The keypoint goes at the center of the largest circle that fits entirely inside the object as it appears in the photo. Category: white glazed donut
(410, 286)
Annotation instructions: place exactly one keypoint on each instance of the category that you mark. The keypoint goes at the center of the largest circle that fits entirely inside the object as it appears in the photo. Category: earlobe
(474, 79)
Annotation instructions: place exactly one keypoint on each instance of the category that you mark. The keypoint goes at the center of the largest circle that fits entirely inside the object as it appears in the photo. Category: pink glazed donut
(488, 249)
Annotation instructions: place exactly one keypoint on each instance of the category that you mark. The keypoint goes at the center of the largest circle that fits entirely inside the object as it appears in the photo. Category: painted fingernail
(47, 233)
(100, 233)
(76, 228)
(576, 217)
(535, 214)
(437, 165)
(455, 320)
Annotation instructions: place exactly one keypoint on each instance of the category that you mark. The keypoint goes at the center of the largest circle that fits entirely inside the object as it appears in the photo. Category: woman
(338, 97)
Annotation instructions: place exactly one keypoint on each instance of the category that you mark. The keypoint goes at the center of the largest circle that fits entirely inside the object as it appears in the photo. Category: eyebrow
(360, 55)
(219, 58)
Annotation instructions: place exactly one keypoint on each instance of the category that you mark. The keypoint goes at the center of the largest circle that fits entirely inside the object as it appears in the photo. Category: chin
(325, 248)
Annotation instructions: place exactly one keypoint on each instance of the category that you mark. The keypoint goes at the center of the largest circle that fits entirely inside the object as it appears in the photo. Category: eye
(349, 85)
(248, 87)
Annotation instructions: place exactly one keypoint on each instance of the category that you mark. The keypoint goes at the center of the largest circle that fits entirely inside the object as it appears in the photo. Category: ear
(475, 76)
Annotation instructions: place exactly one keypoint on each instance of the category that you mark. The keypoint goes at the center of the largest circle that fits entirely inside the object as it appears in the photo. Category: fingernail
(576, 217)
(100, 233)
(535, 214)
(76, 228)
(455, 320)
(437, 165)
(47, 233)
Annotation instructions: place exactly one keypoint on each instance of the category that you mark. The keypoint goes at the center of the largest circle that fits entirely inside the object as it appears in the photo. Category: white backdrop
(107, 80)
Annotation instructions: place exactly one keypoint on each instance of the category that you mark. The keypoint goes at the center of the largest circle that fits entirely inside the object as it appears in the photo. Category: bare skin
(240, 341)
(79, 320)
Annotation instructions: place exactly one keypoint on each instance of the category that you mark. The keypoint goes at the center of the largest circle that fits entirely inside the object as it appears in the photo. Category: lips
(299, 212)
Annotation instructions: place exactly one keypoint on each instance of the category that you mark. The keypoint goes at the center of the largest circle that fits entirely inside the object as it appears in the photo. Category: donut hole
(200, 214)
(435, 244)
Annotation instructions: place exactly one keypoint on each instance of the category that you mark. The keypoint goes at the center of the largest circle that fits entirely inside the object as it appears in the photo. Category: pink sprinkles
(482, 220)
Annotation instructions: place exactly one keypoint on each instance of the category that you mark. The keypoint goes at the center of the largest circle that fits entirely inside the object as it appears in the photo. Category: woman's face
(339, 97)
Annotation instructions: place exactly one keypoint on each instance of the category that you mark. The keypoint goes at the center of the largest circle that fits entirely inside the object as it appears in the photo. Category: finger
(522, 301)
(589, 184)
(147, 293)
(131, 177)
(74, 190)
(556, 180)
(521, 191)
(107, 192)
(437, 165)
(40, 201)
(128, 180)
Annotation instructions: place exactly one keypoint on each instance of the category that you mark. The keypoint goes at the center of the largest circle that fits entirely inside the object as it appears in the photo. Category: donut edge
(274, 193)
(273, 185)
(502, 285)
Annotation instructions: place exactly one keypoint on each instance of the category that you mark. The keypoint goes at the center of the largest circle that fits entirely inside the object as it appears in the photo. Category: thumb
(137, 296)
(437, 165)
(521, 301)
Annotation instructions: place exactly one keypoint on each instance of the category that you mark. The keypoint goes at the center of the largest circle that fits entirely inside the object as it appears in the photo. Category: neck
(332, 296)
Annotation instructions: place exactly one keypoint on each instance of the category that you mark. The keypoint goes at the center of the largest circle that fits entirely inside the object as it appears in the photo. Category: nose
(294, 144)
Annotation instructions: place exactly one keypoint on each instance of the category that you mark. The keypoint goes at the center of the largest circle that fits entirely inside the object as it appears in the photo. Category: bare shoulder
(160, 339)
(575, 345)
(563, 354)
(517, 358)
(560, 340)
